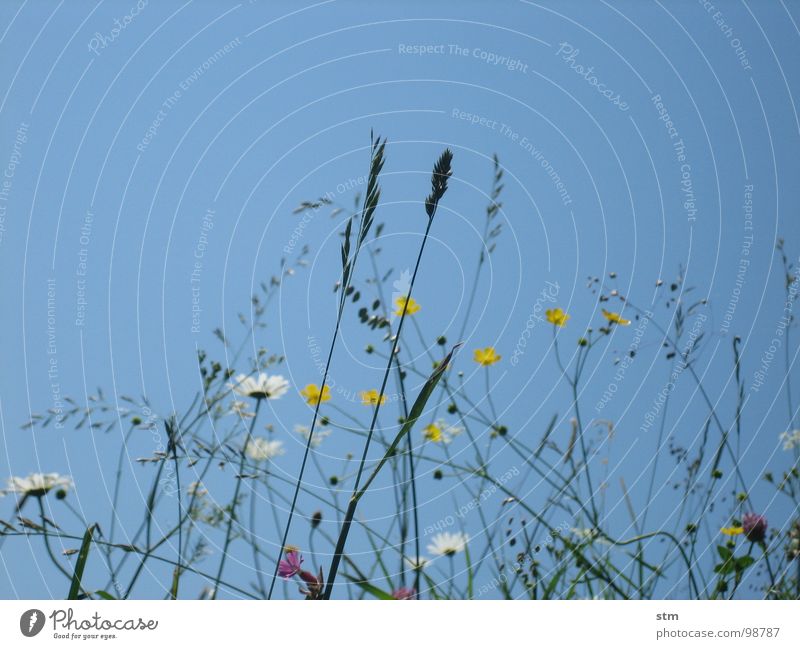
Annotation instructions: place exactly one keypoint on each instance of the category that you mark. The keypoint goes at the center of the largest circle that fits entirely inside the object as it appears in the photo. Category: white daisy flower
(790, 439)
(38, 484)
(447, 544)
(260, 449)
(305, 431)
(261, 387)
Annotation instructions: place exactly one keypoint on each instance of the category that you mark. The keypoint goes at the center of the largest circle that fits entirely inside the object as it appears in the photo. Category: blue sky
(119, 144)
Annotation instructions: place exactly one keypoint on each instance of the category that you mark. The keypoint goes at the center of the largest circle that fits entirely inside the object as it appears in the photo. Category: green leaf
(431, 586)
(176, 577)
(469, 573)
(551, 586)
(725, 568)
(724, 552)
(367, 587)
(80, 564)
(415, 413)
(104, 595)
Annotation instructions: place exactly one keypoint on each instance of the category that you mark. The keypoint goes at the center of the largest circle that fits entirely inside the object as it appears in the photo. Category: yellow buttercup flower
(616, 318)
(732, 531)
(486, 356)
(372, 398)
(311, 393)
(409, 303)
(557, 316)
(433, 433)
(440, 432)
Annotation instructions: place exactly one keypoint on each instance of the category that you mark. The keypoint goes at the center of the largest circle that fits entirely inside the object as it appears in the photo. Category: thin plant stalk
(441, 174)
(232, 514)
(371, 199)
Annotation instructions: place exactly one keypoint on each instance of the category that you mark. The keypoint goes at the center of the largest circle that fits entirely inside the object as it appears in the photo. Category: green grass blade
(415, 413)
(368, 587)
(80, 564)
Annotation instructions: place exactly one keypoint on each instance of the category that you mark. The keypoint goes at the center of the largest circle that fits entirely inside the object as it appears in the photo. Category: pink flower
(404, 593)
(755, 527)
(290, 566)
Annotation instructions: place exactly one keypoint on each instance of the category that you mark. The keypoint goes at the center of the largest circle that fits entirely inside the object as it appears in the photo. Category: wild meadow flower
(447, 544)
(416, 563)
(754, 527)
(732, 531)
(440, 432)
(557, 317)
(290, 565)
(793, 549)
(404, 592)
(240, 408)
(372, 397)
(615, 318)
(790, 439)
(305, 431)
(37, 484)
(409, 303)
(262, 450)
(261, 386)
(486, 356)
(196, 489)
(312, 394)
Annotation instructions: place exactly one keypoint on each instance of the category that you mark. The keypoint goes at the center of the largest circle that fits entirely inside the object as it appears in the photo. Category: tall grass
(548, 528)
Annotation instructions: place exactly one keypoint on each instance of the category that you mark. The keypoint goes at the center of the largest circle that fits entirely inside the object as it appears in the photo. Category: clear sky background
(285, 115)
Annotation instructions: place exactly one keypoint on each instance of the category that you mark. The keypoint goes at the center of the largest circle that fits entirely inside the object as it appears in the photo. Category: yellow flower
(440, 432)
(409, 303)
(486, 356)
(311, 393)
(433, 433)
(557, 317)
(616, 318)
(732, 531)
(372, 398)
